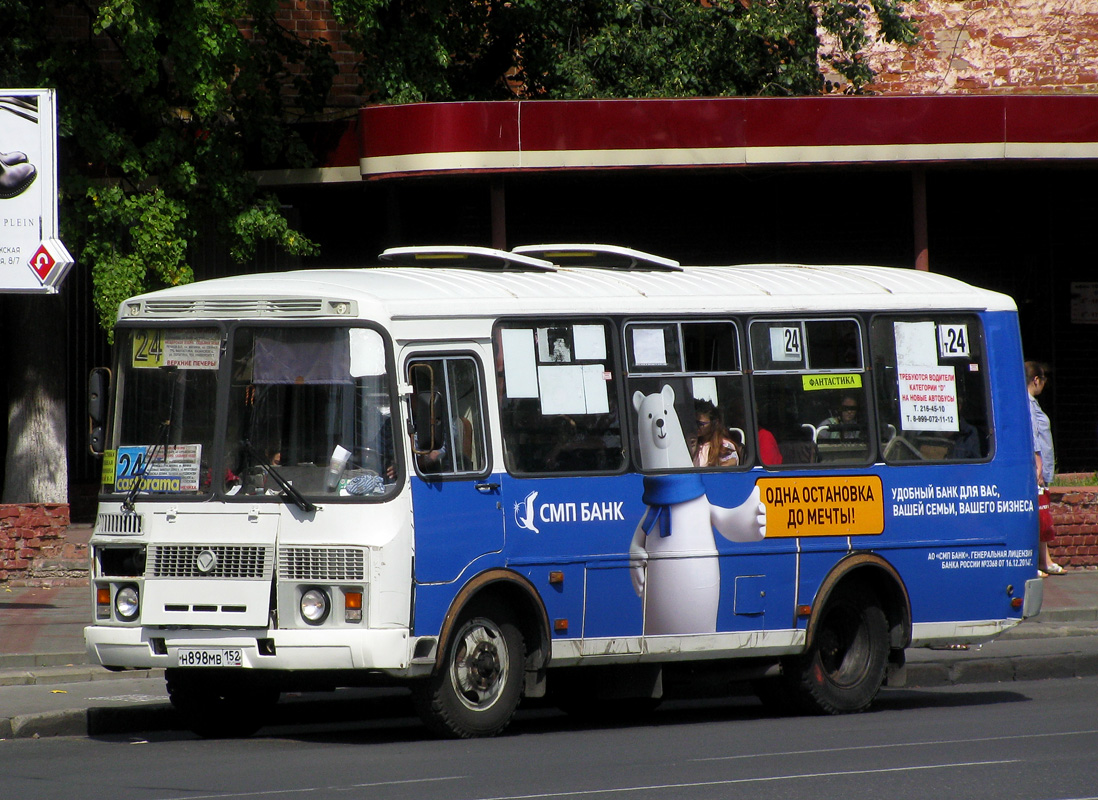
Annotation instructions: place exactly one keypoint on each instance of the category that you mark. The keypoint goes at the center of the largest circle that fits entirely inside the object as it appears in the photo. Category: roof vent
(599, 256)
(484, 258)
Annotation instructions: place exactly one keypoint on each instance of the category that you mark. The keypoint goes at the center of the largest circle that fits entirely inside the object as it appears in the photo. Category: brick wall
(1075, 514)
(34, 547)
(993, 46)
(314, 19)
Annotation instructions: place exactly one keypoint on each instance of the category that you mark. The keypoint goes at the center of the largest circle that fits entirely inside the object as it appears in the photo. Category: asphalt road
(1034, 739)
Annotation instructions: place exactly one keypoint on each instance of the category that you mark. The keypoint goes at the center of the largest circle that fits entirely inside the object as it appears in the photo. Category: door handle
(487, 488)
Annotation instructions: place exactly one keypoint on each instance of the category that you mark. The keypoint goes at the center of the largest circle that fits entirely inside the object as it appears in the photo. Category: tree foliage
(164, 107)
(424, 50)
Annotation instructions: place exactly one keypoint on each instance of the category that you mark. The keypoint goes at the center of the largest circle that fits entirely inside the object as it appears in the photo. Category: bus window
(931, 389)
(447, 416)
(558, 397)
(313, 404)
(698, 363)
(810, 394)
(165, 414)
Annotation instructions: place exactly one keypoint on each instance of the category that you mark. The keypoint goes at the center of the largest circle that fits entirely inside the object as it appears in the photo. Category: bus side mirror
(99, 385)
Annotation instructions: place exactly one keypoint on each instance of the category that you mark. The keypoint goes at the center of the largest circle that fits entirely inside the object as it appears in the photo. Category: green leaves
(164, 114)
(570, 49)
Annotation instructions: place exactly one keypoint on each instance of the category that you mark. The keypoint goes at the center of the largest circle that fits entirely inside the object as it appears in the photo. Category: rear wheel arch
(870, 573)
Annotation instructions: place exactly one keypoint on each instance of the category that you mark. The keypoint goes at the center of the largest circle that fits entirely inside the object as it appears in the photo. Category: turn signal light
(103, 602)
(1015, 603)
(352, 606)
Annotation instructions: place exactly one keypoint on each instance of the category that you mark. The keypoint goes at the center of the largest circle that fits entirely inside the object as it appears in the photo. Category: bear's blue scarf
(663, 491)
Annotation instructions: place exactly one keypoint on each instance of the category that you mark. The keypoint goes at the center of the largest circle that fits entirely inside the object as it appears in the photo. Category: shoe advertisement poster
(32, 258)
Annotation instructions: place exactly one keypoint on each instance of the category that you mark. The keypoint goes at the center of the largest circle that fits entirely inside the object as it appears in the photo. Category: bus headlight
(127, 603)
(315, 605)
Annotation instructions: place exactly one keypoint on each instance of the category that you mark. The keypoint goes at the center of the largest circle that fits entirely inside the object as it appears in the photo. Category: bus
(575, 472)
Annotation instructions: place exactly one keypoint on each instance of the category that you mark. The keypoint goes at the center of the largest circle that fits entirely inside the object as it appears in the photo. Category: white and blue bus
(578, 470)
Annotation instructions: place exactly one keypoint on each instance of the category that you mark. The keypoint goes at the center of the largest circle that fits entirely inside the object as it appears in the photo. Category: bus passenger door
(456, 505)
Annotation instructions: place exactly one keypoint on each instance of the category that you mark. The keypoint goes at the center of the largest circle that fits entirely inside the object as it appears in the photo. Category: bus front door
(457, 505)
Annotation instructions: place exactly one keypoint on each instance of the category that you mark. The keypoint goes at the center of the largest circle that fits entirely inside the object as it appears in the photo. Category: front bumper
(384, 650)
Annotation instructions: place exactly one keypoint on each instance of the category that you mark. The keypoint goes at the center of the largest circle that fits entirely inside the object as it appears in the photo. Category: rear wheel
(219, 706)
(480, 684)
(844, 668)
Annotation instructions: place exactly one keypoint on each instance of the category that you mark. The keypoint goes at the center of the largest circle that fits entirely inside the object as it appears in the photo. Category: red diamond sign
(42, 262)
(50, 262)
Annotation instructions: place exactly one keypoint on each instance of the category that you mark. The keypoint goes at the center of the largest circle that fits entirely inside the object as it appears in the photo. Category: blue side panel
(960, 535)
(613, 608)
(455, 524)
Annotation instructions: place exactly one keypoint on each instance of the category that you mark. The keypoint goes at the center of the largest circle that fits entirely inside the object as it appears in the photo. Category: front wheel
(845, 666)
(480, 684)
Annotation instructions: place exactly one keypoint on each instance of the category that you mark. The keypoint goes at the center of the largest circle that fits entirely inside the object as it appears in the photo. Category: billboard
(32, 257)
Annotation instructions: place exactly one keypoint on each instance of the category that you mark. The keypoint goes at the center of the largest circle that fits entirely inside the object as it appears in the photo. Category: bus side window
(931, 390)
(447, 417)
(558, 397)
(698, 363)
(810, 394)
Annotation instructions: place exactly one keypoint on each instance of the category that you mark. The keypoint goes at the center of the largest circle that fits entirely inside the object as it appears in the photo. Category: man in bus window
(846, 423)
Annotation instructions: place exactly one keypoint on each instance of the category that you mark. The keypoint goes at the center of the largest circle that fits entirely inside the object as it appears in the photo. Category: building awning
(730, 132)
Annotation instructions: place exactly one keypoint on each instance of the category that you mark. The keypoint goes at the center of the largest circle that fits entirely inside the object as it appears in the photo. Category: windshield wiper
(165, 437)
(289, 493)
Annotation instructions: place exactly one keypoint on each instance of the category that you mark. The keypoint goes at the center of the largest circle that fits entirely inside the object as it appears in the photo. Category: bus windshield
(308, 407)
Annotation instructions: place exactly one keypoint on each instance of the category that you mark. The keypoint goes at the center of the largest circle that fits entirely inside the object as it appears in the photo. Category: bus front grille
(208, 561)
(321, 564)
(124, 523)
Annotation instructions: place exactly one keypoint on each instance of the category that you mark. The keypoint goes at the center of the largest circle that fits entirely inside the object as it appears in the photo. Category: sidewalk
(47, 688)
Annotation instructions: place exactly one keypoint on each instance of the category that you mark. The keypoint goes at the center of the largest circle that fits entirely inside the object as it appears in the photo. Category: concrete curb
(1004, 669)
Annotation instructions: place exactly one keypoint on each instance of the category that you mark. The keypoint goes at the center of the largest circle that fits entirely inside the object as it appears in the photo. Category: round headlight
(126, 603)
(315, 606)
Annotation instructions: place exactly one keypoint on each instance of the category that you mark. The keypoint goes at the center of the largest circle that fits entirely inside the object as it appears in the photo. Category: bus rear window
(931, 388)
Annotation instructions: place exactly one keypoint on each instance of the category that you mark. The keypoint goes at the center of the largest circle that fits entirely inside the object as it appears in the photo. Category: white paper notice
(562, 390)
(928, 398)
(590, 342)
(915, 343)
(519, 364)
(648, 347)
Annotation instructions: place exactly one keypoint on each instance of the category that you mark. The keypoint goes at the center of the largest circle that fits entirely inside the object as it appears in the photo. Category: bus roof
(397, 293)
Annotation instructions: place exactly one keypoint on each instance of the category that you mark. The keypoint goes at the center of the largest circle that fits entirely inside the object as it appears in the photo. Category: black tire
(844, 668)
(480, 683)
(218, 706)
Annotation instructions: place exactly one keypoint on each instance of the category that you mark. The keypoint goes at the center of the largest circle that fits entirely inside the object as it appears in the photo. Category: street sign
(32, 257)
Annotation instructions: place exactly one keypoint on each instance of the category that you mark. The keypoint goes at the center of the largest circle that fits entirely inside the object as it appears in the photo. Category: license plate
(210, 657)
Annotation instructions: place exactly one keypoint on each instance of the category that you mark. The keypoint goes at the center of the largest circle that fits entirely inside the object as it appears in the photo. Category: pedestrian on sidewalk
(1045, 457)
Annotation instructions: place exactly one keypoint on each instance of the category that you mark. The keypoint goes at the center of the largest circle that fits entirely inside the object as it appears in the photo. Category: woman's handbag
(1044, 516)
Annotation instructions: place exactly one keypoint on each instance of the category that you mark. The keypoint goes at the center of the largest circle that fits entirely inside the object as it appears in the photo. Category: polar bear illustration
(673, 555)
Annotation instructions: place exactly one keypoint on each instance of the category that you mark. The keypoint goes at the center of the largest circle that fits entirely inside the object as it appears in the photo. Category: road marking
(896, 744)
(311, 789)
(734, 781)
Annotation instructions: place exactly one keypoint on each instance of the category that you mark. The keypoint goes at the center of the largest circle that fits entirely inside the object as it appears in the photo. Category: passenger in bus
(714, 445)
(967, 441)
(429, 437)
(769, 452)
(845, 424)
